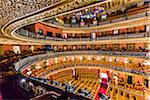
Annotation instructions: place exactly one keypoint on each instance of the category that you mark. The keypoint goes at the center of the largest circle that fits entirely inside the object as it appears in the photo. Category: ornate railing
(126, 17)
(26, 33)
(87, 65)
(30, 60)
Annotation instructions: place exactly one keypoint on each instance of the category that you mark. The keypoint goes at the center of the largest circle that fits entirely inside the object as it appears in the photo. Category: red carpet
(102, 89)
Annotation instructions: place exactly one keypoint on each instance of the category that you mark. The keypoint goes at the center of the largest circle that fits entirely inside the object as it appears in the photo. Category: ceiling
(18, 13)
(12, 9)
(15, 10)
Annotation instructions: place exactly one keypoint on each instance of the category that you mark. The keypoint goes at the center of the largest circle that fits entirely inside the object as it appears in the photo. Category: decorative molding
(66, 7)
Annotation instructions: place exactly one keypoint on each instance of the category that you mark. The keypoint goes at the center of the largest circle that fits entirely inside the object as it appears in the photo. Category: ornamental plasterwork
(70, 5)
(11, 9)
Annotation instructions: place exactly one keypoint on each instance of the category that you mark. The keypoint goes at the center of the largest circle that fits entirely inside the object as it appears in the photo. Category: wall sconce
(89, 58)
(38, 66)
(29, 69)
(116, 59)
(98, 58)
(29, 73)
(73, 58)
(110, 59)
(47, 62)
(126, 60)
(81, 58)
(64, 59)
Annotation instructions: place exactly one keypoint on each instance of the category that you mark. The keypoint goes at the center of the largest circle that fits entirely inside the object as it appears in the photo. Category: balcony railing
(85, 65)
(55, 87)
(30, 60)
(26, 33)
(125, 17)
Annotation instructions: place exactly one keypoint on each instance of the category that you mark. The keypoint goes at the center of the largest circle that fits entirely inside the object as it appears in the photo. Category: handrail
(26, 33)
(127, 17)
(58, 86)
(92, 64)
(30, 60)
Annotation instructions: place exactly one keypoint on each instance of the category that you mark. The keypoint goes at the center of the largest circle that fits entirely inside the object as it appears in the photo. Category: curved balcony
(22, 64)
(67, 64)
(42, 11)
(26, 34)
(114, 19)
(55, 69)
(88, 64)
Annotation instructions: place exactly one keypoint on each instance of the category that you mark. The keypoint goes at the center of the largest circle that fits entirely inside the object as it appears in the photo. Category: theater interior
(74, 50)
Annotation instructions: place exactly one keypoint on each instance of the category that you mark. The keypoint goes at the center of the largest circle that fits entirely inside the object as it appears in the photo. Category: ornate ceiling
(12, 9)
(18, 13)
(12, 21)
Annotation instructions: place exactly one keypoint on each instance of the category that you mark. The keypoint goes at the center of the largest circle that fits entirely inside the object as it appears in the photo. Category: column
(148, 30)
(148, 51)
(93, 36)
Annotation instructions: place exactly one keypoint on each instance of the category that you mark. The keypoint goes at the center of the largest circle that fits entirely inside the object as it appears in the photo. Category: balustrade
(26, 61)
(133, 15)
(25, 33)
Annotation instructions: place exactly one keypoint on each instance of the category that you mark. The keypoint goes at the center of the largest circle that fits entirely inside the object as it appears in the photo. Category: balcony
(133, 15)
(26, 33)
(19, 66)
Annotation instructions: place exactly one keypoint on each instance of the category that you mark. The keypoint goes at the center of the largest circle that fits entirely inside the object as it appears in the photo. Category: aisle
(102, 89)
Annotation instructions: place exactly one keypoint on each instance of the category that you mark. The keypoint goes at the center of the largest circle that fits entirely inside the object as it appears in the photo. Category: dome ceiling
(15, 10)
(11, 9)
(18, 13)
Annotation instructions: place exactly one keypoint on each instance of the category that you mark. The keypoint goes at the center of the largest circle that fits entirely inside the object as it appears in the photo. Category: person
(66, 88)
(116, 79)
(86, 92)
(70, 85)
(31, 85)
(70, 88)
